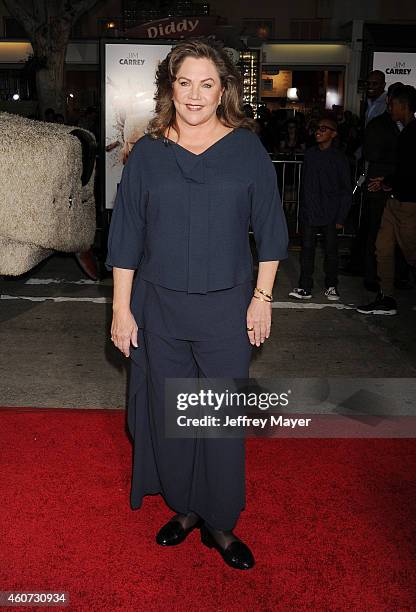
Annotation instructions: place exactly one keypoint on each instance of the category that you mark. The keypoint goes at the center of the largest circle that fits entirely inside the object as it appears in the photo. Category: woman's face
(197, 90)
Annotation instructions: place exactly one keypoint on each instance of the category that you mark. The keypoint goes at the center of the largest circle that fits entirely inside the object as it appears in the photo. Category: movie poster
(129, 88)
(397, 66)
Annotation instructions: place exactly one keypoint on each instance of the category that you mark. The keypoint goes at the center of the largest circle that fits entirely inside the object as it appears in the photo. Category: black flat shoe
(173, 533)
(236, 555)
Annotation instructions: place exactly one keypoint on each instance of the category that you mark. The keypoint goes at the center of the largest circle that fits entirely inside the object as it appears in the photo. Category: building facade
(320, 48)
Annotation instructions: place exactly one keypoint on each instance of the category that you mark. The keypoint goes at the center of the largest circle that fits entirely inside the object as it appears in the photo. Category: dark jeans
(307, 258)
(374, 202)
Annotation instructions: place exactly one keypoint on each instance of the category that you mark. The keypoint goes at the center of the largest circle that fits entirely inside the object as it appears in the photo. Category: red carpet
(330, 522)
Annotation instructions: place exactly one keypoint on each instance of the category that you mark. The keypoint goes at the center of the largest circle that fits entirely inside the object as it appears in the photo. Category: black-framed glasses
(324, 128)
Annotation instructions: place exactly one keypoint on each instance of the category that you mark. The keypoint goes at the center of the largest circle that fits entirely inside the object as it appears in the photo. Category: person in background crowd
(376, 95)
(349, 133)
(291, 143)
(49, 115)
(301, 126)
(277, 125)
(376, 105)
(380, 152)
(248, 111)
(263, 124)
(398, 223)
(326, 197)
(311, 127)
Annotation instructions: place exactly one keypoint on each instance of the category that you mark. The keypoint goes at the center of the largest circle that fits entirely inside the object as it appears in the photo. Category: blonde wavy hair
(229, 112)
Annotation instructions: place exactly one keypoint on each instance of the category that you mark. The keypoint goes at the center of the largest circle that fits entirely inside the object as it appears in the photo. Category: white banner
(129, 88)
(397, 66)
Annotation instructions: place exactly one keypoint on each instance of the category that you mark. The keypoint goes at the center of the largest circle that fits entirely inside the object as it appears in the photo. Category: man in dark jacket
(380, 152)
(376, 96)
(398, 224)
(326, 198)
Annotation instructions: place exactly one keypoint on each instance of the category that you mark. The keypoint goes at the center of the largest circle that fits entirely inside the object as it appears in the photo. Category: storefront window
(302, 90)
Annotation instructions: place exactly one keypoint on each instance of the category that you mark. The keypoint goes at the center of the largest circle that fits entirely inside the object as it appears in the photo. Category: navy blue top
(326, 191)
(183, 218)
(191, 316)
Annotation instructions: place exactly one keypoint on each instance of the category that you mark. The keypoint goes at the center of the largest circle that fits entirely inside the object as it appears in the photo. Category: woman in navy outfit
(190, 190)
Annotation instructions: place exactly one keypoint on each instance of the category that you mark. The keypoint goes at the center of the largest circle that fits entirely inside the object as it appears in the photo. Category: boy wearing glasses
(326, 197)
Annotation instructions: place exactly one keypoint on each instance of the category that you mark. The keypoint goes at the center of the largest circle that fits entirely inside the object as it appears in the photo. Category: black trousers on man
(307, 258)
(375, 203)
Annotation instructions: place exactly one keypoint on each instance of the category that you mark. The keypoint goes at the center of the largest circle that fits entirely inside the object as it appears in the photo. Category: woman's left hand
(259, 317)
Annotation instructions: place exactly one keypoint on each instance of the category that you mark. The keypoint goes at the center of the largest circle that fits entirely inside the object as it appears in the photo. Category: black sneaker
(382, 305)
(300, 294)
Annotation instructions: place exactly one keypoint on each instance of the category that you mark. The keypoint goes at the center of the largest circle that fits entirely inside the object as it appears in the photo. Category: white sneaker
(300, 294)
(332, 294)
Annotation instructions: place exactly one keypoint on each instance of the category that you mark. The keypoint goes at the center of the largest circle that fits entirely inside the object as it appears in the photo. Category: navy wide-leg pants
(202, 475)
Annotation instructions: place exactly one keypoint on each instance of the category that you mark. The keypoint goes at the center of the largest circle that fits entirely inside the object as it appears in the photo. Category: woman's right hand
(124, 330)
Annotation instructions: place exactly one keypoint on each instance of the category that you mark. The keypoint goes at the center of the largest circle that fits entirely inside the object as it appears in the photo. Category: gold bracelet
(269, 295)
(261, 299)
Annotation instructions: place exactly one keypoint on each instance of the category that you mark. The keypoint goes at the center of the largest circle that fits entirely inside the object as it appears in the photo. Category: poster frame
(392, 52)
(104, 211)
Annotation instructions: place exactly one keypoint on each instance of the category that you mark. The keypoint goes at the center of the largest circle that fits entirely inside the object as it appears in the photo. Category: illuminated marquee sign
(171, 27)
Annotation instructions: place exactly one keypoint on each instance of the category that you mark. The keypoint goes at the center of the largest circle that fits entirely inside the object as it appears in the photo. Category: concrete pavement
(56, 352)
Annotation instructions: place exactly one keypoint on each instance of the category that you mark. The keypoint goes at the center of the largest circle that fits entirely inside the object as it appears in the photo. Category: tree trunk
(50, 84)
(50, 42)
(48, 26)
